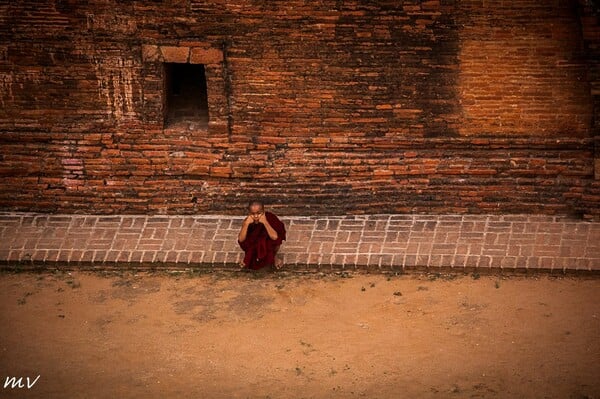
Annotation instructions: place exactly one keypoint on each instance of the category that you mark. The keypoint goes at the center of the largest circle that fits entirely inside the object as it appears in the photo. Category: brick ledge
(380, 242)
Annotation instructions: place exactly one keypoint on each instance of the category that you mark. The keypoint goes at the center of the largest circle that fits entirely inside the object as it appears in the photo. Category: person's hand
(249, 220)
(262, 218)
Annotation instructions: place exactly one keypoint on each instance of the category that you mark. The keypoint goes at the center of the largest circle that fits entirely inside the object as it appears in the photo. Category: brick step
(374, 242)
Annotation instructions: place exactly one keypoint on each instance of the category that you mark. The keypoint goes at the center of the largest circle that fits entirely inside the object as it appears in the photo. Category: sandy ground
(285, 335)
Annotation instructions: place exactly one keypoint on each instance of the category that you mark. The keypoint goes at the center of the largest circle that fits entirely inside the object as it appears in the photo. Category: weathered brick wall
(590, 26)
(319, 107)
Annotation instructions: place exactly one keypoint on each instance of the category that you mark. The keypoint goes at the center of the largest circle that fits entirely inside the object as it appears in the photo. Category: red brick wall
(523, 70)
(319, 107)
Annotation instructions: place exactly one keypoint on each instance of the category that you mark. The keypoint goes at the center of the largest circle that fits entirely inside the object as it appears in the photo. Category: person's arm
(270, 230)
(244, 230)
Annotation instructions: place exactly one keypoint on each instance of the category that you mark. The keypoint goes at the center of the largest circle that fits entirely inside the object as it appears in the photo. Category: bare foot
(242, 265)
(278, 263)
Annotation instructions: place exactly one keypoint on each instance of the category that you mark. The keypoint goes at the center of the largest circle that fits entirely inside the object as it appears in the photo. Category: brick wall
(319, 107)
(590, 27)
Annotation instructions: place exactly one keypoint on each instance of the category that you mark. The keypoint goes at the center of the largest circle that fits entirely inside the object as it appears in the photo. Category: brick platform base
(392, 242)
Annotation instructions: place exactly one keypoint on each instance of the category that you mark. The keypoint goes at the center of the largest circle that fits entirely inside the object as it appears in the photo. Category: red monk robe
(260, 249)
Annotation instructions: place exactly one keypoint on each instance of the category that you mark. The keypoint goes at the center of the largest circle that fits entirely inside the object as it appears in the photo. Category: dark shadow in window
(185, 94)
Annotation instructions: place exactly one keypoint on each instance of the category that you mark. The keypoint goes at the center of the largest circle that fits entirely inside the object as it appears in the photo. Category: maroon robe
(259, 248)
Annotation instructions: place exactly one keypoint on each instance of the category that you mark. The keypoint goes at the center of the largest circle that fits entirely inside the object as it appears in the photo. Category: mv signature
(13, 382)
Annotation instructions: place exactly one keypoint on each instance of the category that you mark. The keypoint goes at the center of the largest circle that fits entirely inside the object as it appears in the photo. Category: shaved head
(256, 206)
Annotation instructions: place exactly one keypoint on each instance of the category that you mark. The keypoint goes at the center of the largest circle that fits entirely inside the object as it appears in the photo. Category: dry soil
(290, 335)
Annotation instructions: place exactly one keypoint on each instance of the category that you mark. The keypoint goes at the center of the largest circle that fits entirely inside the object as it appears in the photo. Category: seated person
(260, 238)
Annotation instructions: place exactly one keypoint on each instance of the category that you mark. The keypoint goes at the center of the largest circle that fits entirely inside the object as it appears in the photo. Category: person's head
(256, 208)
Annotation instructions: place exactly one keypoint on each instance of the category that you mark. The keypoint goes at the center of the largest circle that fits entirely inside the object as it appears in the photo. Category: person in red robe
(260, 237)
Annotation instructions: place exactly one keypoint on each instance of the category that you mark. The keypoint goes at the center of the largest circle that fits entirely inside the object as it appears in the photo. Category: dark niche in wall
(186, 99)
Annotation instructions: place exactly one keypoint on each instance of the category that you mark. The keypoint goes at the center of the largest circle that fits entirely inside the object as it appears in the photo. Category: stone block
(175, 54)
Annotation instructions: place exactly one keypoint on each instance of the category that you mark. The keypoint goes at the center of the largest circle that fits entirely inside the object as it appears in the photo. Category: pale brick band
(369, 241)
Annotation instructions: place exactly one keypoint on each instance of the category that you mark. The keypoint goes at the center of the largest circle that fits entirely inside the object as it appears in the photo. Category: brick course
(327, 107)
(374, 242)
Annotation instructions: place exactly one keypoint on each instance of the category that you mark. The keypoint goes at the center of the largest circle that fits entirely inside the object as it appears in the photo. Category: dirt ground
(290, 335)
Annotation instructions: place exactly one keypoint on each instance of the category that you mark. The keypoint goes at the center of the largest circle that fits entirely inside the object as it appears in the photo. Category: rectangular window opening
(186, 99)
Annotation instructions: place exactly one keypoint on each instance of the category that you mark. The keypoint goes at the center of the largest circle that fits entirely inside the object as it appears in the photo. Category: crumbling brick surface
(326, 107)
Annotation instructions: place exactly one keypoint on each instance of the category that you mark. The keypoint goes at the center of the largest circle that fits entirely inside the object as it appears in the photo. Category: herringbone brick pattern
(370, 241)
